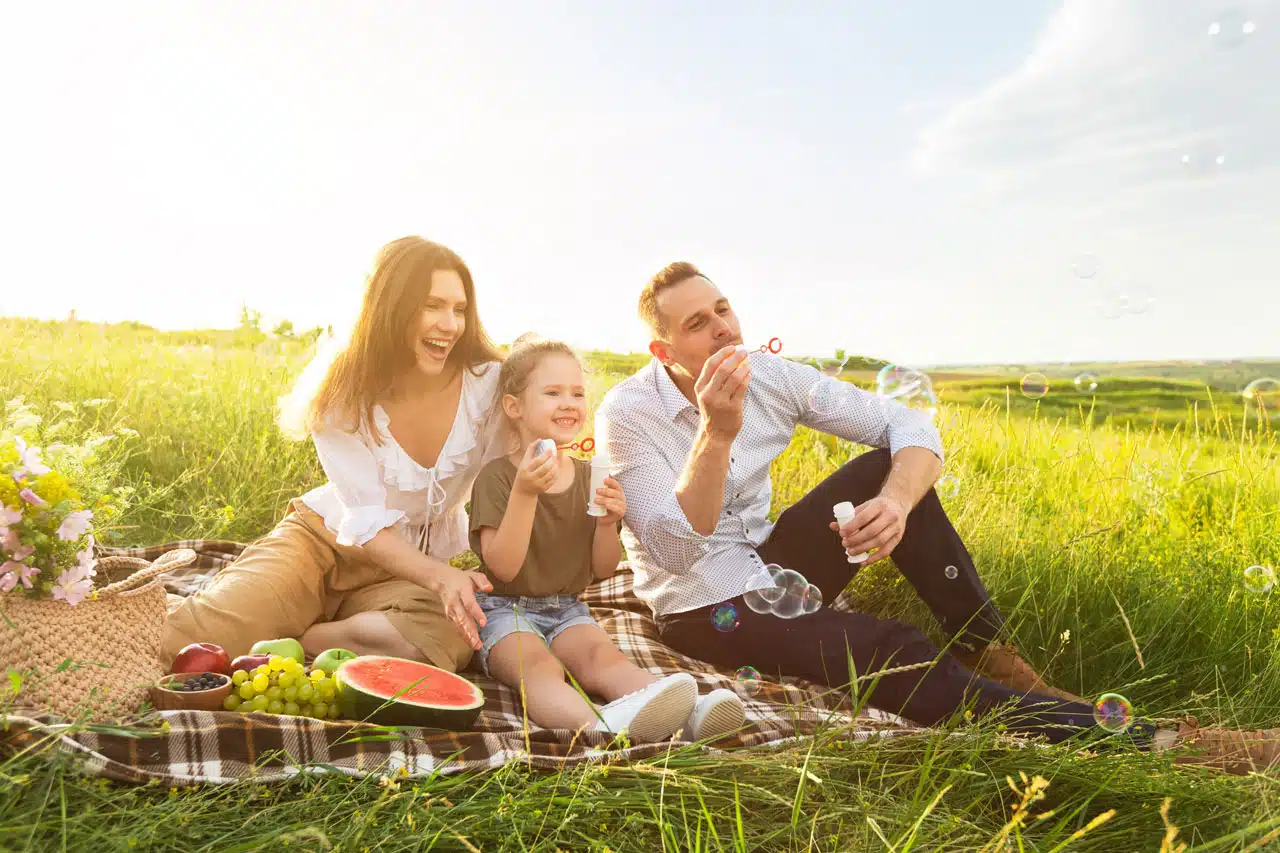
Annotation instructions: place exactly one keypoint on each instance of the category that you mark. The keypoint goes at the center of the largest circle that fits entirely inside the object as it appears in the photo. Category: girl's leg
(597, 665)
(366, 633)
(551, 702)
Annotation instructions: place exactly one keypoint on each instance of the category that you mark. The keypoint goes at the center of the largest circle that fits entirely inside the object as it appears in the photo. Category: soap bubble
(1085, 266)
(747, 681)
(725, 617)
(1263, 393)
(794, 586)
(1259, 579)
(762, 600)
(1035, 385)
(1113, 713)
(1086, 383)
(1203, 159)
(948, 486)
(812, 600)
(910, 387)
(1231, 29)
(951, 572)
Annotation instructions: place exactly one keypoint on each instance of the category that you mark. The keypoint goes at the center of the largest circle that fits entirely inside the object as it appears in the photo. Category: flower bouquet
(79, 636)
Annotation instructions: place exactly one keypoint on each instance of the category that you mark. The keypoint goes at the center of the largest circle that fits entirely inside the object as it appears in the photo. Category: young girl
(540, 549)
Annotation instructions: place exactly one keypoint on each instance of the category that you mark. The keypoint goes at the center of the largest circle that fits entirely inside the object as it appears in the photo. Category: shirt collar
(673, 402)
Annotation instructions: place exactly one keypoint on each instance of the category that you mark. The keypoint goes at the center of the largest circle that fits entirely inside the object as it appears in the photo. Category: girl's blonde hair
(526, 354)
(351, 373)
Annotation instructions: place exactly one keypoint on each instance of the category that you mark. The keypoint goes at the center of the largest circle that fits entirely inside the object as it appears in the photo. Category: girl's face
(444, 317)
(554, 403)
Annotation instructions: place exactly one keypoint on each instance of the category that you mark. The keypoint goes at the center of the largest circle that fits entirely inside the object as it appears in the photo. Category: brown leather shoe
(1001, 663)
(1232, 750)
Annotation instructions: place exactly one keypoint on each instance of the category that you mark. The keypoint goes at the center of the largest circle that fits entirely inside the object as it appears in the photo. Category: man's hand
(721, 389)
(610, 497)
(879, 523)
(457, 590)
(537, 472)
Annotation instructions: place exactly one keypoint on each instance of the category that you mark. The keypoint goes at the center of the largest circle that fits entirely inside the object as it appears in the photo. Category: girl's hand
(536, 473)
(457, 591)
(614, 502)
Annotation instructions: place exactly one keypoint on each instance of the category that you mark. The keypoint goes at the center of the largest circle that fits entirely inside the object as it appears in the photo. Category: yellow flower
(54, 488)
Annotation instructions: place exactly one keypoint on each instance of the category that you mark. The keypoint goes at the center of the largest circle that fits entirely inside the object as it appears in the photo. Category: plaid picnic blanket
(188, 747)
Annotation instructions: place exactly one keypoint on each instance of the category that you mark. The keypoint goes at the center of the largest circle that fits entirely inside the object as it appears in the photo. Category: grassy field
(1081, 511)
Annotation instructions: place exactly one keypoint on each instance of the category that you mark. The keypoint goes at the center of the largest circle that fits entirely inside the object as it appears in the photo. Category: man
(691, 438)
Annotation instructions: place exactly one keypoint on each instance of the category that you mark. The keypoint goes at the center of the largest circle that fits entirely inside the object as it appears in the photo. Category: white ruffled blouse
(375, 486)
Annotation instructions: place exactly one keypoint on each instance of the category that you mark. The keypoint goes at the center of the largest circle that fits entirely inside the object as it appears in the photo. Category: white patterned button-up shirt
(649, 428)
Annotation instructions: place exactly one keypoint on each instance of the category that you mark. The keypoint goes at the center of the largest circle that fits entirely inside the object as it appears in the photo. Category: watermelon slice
(424, 695)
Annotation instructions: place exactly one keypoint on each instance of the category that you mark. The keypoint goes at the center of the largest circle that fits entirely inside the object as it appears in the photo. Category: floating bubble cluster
(1113, 713)
(747, 681)
(948, 486)
(789, 597)
(910, 387)
(1034, 385)
(1231, 29)
(1086, 383)
(725, 617)
(1259, 579)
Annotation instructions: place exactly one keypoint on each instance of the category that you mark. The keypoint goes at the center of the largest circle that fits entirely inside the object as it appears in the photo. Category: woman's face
(443, 320)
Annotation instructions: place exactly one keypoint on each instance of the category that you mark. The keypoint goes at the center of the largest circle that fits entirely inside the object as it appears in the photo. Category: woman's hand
(612, 500)
(537, 472)
(457, 590)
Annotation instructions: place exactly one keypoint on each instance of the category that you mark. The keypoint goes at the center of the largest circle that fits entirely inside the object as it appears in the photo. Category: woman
(402, 418)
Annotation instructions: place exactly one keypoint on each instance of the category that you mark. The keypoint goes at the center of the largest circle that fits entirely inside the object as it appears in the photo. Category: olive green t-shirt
(559, 557)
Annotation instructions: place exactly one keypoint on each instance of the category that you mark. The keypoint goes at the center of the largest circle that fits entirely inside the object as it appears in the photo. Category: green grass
(1071, 513)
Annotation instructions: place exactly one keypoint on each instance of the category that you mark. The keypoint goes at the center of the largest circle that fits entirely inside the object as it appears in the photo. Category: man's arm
(721, 391)
(912, 475)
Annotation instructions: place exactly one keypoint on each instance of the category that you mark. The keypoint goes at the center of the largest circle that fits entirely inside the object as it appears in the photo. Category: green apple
(286, 648)
(329, 659)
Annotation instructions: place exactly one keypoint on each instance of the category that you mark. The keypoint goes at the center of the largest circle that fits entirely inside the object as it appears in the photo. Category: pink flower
(28, 574)
(8, 580)
(9, 516)
(85, 562)
(73, 586)
(8, 539)
(23, 551)
(29, 459)
(31, 497)
(75, 525)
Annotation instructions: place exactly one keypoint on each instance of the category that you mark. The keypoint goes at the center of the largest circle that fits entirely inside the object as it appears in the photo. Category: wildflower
(8, 539)
(1065, 636)
(29, 461)
(73, 586)
(9, 516)
(75, 525)
(85, 562)
(31, 497)
(26, 574)
(22, 552)
(9, 579)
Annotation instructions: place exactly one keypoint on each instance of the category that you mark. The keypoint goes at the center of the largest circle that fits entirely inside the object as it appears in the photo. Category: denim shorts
(545, 616)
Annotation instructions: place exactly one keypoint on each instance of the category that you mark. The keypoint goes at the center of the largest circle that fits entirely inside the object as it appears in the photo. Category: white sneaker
(715, 715)
(654, 713)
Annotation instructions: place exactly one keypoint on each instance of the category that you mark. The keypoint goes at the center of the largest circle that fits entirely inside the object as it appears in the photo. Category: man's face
(700, 322)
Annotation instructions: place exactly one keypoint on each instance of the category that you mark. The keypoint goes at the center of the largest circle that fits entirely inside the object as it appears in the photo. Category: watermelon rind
(359, 700)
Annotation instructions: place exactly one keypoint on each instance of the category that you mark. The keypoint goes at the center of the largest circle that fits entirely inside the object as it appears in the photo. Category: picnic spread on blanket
(471, 721)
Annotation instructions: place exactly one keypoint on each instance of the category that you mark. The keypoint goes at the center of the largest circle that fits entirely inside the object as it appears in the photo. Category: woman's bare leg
(364, 633)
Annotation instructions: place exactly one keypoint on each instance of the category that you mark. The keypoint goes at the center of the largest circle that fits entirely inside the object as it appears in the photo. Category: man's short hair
(668, 276)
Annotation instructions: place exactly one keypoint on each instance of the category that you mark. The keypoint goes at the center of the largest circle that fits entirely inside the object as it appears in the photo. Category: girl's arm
(606, 549)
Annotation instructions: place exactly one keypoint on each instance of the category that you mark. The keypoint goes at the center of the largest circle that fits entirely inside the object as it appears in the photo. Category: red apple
(202, 657)
(249, 662)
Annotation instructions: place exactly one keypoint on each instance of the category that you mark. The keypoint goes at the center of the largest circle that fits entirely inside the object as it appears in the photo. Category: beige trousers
(298, 575)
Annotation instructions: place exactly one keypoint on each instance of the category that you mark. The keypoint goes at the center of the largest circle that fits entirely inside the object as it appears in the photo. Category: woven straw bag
(112, 641)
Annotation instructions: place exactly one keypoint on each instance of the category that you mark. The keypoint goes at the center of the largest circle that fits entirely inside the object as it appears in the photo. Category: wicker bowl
(180, 700)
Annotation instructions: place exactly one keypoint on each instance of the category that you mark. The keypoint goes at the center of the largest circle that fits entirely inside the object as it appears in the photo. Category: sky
(912, 180)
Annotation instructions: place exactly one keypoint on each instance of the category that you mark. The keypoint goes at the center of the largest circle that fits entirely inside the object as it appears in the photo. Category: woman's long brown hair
(378, 352)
